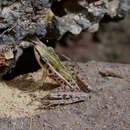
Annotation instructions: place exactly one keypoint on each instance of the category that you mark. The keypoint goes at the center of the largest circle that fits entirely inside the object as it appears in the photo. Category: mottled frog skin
(53, 68)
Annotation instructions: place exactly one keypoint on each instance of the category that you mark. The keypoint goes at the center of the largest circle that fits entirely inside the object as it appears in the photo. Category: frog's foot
(63, 98)
(37, 86)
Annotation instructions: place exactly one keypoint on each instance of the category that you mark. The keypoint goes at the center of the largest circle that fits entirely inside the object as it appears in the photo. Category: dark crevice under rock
(25, 64)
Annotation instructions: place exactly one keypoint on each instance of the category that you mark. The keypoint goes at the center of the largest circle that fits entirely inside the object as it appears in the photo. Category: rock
(106, 108)
(21, 19)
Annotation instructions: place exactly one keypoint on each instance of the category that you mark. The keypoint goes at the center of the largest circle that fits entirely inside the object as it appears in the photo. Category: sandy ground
(106, 108)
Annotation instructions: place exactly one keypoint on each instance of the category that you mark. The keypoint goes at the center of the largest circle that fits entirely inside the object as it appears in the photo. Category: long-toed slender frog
(52, 67)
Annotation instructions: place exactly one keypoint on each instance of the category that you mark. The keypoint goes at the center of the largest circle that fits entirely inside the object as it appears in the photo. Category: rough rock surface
(107, 107)
(51, 19)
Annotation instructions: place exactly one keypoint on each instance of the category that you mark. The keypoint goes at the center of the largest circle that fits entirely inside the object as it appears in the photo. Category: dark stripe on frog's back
(55, 61)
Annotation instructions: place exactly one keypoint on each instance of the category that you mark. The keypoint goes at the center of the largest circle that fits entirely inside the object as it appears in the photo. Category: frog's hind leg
(75, 69)
(63, 98)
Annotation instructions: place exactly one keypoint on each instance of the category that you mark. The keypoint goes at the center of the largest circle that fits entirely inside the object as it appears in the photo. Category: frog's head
(40, 52)
(40, 49)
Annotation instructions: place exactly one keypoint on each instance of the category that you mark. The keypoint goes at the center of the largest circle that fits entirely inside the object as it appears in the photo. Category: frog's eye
(42, 61)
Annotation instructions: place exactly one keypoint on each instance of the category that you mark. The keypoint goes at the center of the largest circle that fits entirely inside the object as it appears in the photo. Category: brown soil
(107, 106)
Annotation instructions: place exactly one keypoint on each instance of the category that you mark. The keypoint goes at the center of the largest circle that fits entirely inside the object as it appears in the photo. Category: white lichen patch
(15, 102)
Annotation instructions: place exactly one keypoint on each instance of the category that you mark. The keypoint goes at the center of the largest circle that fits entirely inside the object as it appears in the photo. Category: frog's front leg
(62, 98)
(40, 82)
(43, 78)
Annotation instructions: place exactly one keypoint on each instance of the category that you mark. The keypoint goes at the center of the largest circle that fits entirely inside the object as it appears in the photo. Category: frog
(53, 68)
